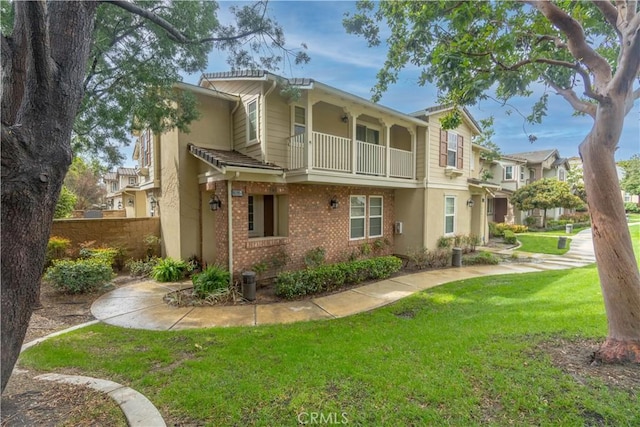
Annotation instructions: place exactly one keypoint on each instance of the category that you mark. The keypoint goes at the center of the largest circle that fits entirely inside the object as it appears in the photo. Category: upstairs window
(252, 120)
(132, 180)
(299, 121)
(451, 149)
(521, 173)
(114, 186)
(508, 173)
(561, 174)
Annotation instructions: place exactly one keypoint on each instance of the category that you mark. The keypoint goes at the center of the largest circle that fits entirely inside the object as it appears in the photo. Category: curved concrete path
(141, 306)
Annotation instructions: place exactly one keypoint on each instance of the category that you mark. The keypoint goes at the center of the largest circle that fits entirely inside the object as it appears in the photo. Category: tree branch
(629, 63)
(572, 98)
(610, 14)
(39, 47)
(577, 42)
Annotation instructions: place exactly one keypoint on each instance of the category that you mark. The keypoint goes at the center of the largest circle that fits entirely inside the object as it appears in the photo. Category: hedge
(292, 284)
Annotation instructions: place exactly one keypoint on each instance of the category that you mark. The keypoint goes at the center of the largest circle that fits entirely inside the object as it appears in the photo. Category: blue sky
(344, 61)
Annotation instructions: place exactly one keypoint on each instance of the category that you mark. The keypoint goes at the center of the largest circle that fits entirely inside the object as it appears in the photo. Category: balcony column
(414, 145)
(308, 146)
(387, 143)
(354, 145)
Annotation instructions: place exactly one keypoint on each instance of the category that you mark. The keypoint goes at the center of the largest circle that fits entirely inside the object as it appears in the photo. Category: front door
(499, 209)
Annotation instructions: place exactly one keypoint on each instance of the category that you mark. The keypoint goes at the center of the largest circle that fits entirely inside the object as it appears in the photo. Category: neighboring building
(261, 175)
(121, 188)
(515, 170)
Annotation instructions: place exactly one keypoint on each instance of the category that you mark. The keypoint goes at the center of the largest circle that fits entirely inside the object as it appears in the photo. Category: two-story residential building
(266, 173)
(121, 190)
(515, 170)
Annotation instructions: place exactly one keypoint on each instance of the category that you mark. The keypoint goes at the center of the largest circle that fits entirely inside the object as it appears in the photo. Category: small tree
(66, 203)
(547, 193)
(631, 181)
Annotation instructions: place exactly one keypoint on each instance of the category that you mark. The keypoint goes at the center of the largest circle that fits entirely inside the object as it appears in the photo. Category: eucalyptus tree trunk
(617, 266)
(43, 67)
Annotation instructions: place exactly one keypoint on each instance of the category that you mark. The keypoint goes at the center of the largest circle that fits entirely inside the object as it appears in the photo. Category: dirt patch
(575, 357)
(30, 402)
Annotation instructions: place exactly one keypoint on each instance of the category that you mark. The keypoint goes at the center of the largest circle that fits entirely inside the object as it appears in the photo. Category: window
(521, 173)
(375, 216)
(365, 134)
(357, 217)
(490, 205)
(561, 174)
(299, 121)
(451, 149)
(267, 215)
(251, 213)
(132, 180)
(114, 186)
(252, 120)
(449, 214)
(508, 173)
(627, 197)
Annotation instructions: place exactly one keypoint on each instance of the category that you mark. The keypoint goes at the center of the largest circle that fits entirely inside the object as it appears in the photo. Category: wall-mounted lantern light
(153, 202)
(344, 118)
(119, 205)
(215, 203)
(334, 202)
(470, 203)
(130, 202)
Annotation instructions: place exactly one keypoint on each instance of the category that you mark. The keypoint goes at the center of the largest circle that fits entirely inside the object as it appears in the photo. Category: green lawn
(541, 244)
(556, 233)
(460, 354)
(634, 217)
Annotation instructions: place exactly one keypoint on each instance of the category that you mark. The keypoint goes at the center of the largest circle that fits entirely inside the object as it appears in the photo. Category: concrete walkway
(141, 306)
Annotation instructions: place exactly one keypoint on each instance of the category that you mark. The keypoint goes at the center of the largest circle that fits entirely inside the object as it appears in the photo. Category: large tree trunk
(617, 266)
(44, 65)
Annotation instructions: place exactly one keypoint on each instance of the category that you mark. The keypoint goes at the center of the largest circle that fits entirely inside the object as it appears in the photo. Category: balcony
(337, 154)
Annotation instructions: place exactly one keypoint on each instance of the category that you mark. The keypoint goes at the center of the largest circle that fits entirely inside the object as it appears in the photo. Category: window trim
(363, 217)
(522, 177)
(453, 215)
(490, 206)
(254, 101)
(452, 138)
(381, 216)
(505, 173)
(297, 124)
(132, 180)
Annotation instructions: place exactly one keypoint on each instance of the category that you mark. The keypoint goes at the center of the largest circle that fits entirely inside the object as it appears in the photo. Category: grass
(556, 233)
(634, 217)
(460, 354)
(541, 244)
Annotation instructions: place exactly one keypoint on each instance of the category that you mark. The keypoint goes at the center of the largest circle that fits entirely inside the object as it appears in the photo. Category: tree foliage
(630, 182)
(66, 203)
(546, 193)
(84, 179)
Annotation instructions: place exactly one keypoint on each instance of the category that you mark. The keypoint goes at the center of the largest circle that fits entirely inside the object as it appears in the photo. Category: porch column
(308, 146)
(354, 145)
(414, 145)
(387, 150)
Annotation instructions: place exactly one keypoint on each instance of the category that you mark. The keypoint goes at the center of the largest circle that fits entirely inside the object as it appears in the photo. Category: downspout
(230, 230)
(264, 120)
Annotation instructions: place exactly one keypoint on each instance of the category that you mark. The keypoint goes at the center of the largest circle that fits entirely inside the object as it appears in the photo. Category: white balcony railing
(371, 159)
(331, 152)
(334, 153)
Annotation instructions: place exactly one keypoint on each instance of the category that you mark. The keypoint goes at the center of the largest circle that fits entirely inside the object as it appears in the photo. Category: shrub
(314, 257)
(211, 279)
(510, 237)
(80, 276)
(444, 242)
(169, 270)
(482, 258)
(419, 257)
(57, 248)
(631, 207)
(152, 244)
(141, 268)
(328, 277)
(530, 221)
(578, 217)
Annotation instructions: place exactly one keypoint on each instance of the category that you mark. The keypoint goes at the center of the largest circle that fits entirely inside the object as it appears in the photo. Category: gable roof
(535, 156)
(110, 176)
(435, 109)
(127, 172)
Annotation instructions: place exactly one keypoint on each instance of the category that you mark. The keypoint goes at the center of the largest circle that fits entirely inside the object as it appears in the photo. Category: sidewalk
(140, 306)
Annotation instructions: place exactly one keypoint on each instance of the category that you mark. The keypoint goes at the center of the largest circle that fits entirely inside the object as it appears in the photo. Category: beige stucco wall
(409, 211)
